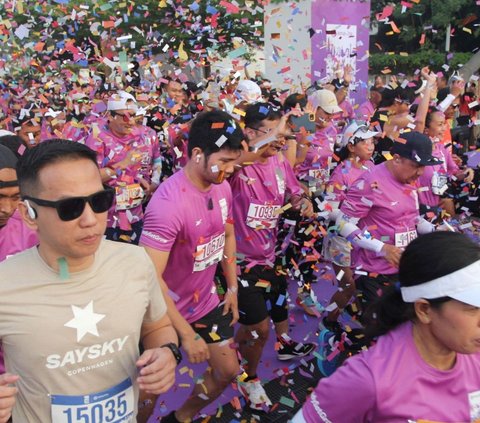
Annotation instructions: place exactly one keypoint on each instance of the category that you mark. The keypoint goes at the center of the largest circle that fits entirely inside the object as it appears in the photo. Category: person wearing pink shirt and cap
(315, 160)
(128, 154)
(380, 217)
(385, 203)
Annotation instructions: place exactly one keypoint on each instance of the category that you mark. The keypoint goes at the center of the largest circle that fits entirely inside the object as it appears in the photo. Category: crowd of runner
(214, 197)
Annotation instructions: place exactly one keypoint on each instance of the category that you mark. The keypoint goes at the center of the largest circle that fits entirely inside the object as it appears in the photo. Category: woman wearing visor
(355, 153)
(425, 366)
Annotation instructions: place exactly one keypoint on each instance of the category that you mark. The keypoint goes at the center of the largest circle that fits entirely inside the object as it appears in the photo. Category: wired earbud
(30, 210)
(197, 158)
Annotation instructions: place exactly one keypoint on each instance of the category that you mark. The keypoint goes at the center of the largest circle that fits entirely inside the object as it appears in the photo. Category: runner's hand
(231, 305)
(196, 348)
(457, 87)
(469, 174)
(148, 188)
(392, 254)
(7, 395)
(157, 373)
(347, 74)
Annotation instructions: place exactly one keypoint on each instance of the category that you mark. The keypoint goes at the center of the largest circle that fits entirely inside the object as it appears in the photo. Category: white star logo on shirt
(85, 320)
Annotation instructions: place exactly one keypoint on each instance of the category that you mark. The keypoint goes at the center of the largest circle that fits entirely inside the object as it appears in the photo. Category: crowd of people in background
(214, 197)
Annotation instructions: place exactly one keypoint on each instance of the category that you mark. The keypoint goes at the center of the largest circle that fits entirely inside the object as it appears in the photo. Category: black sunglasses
(73, 207)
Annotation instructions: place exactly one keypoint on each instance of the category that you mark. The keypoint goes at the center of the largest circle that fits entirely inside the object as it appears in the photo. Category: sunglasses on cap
(71, 208)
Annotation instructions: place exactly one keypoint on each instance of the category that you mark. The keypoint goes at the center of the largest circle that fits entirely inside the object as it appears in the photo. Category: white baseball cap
(122, 100)
(248, 91)
(326, 100)
(356, 130)
(4, 133)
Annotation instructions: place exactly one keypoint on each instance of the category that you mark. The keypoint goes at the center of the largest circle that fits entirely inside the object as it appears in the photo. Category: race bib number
(474, 401)
(210, 253)
(128, 196)
(402, 239)
(262, 216)
(439, 183)
(113, 405)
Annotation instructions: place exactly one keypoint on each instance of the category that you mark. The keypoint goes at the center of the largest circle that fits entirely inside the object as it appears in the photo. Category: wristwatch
(175, 351)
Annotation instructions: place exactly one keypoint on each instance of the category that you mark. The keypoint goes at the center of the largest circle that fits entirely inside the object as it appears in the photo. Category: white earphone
(30, 210)
(197, 158)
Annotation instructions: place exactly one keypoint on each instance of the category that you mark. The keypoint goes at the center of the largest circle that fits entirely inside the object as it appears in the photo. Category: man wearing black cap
(379, 216)
(385, 203)
(14, 235)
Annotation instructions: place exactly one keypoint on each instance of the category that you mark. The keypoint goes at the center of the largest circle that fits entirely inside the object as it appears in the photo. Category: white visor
(462, 285)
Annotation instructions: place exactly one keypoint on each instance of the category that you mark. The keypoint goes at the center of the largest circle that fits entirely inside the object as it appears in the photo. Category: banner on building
(339, 37)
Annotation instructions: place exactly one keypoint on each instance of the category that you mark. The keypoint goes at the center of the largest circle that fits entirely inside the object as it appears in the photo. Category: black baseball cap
(416, 147)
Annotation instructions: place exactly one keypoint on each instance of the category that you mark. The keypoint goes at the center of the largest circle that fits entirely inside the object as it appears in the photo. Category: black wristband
(175, 351)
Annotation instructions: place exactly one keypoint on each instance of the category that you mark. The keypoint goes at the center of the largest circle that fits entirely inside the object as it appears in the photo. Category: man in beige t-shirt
(73, 310)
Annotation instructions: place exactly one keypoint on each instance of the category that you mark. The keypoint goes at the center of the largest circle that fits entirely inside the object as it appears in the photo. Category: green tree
(423, 26)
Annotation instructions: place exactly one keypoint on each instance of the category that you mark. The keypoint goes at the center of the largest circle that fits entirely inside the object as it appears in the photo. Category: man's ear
(29, 214)
(196, 151)
(249, 133)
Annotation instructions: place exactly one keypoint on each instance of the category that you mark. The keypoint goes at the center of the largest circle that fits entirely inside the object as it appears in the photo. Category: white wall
(290, 47)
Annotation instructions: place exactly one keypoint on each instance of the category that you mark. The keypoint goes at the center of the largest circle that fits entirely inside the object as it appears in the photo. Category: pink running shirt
(315, 169)
(447, 169)
(190, 225)
(391, 383)
(259, 192)
(344, 175)
(365, 111)
(111, 150)
(15, 237)
(387, 209)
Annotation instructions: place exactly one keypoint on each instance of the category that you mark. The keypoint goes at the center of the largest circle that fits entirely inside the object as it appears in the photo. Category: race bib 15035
(114, 405)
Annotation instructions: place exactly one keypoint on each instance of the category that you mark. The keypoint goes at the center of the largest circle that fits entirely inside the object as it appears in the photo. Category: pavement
(287, 382)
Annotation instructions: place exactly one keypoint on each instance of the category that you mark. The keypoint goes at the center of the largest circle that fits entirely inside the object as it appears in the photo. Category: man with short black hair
(188, 231)
(73, 310)
(261, 190)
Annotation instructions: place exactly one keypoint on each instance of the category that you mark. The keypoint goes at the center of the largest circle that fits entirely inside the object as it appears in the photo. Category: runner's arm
(195, 347)
(229, 266)
(158, 333)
